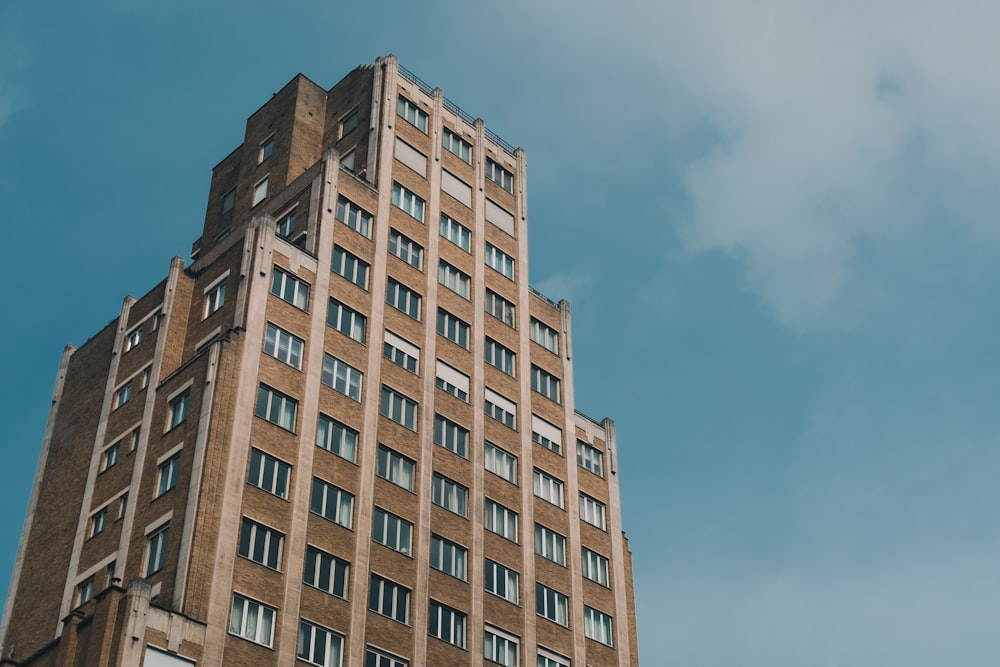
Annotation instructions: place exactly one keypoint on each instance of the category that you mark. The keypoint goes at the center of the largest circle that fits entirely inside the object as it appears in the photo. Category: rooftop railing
(543, 297)
(451, 106)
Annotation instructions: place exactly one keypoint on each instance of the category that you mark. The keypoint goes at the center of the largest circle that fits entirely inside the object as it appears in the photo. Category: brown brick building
(344, 434)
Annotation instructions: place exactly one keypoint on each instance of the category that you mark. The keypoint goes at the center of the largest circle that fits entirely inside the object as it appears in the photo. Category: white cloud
(839, 131)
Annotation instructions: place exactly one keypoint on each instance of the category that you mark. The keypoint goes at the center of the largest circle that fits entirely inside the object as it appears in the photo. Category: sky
(776, 222)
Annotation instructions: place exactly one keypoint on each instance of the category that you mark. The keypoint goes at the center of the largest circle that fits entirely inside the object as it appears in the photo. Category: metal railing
(543, 297)
(451, 106)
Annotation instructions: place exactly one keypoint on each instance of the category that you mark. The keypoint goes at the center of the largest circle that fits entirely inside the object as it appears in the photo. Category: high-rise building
(344, 434)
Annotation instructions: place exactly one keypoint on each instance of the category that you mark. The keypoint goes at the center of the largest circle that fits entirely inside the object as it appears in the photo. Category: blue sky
(776, 222)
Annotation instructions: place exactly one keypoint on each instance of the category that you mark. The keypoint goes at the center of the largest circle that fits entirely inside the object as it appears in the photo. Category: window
(411, 113)
(341, 376)
(389, 599)
(545, 434)
(228, 200)
(266, 148)
(499, 356)
(156, 550)
(590, 458)
(261, 544)
(98, 521)
(396, 468)
(545, 383)
(166, 476)
(548, 488)
(455, 280)
(392, 531)
(133, 438)
(499, 260)
(501, 520)
(456, 233)
(251, 620)
(348, 122)
(268, 473)
(452, 381)
(500, 408)
(346, 320)
(408, 201)
(457, 145)
(338, 438)
(446, 624)
(500, 308)
(551, 604)
(500, 462)
(147, 373)
(402, 298)
(500, 647)
(260, 191)
(319, 646)
(331, 502)
(406, 249)
(354, 216)
(109, 457)
(123, 394)
(401, 352)
(133, 338)
(398, 408)
(122, 505)
(547, 658)
(326, 572)
(351, 267)
(597, 625)
(544, 335)
(410, 156)
(550, 544)
(450, 495)
(448, 557)
(501, 581)
(283, 346)
(453, 328)
(592, 511)
(289, 288)
(451, 436)
(276, 408)
(286, 224)
(595, 567)
(85, 591)
(499, 175)
(377, 658)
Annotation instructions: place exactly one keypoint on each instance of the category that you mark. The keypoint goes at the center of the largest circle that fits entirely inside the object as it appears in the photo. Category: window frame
(412, 113)
(350, 267)
(409, 412)
(550, 544)
(341, 317)
(500, 520)
(493, 453)
(389, 606)
(396, 292)
(450, 623)
(550, 600)
(290, 288)
(275, 481)
(449, 495)
(455, 232)
(326, 566)
(500, 261)
(406, 249)
(500, 572)
(327, 427)
(262, 631)
(392, 531)
(271, 543)
(332, 503)
(408, 201)
(354, 216)
(342, 377)
(448, 324)
(275, 337)
(395, 468)
(449, 557)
